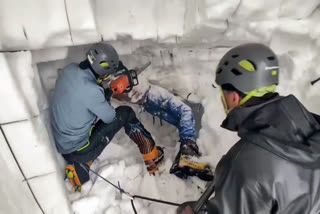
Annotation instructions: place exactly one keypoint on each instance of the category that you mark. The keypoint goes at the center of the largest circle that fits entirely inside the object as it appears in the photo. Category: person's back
(277, 161)
(73, 111)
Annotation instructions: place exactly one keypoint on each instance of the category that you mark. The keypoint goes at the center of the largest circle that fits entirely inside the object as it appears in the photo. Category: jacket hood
(282, 126)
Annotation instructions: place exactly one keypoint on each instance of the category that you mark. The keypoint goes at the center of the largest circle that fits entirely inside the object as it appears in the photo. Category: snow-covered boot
(187, 162)
(77, 174)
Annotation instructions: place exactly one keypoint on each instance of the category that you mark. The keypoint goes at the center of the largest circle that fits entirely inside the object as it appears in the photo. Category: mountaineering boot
(152, 154)
(77, 174)
(153, 159)
(187, 162)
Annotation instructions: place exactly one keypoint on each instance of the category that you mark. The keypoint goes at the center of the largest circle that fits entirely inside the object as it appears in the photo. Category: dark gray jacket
(275, 167)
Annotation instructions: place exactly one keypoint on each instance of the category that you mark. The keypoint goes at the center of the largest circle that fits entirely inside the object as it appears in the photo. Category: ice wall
(31, 180)
(183, 39)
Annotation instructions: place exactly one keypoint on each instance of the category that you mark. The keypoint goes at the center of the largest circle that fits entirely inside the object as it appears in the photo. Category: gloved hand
(108, 94)
(185, 163)
(189, 147)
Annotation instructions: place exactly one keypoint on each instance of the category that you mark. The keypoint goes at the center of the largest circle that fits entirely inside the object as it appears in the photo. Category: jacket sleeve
(317, 117)
(234, 194)
(99, 106)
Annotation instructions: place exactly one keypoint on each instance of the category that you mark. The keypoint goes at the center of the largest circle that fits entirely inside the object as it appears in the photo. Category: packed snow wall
(183, 40)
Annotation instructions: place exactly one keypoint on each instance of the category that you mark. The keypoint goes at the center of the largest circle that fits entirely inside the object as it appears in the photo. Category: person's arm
(98, 105)
(241, 199)
(236, 191)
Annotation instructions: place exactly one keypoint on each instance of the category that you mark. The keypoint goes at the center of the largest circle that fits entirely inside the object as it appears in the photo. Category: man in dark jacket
(275, 166)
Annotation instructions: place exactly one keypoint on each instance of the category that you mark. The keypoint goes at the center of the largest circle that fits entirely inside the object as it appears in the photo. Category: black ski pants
(102, 134)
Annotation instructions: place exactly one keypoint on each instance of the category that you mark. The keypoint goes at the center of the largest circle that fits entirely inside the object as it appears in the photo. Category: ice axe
(204, 197)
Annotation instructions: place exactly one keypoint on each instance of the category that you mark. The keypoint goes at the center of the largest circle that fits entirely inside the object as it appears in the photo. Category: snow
(83, 27)
(294, 9)
(33, 24)
(223, 11)
(32, 138)
(184, 41)
(50, 185)
(19, 87)
(12, 187)
(144, 19)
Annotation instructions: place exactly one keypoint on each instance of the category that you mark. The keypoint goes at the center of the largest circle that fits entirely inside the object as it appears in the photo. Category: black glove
(108, 94)
(189, 147)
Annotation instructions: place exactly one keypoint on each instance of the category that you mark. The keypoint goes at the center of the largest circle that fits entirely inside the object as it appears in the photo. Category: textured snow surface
(184, 41)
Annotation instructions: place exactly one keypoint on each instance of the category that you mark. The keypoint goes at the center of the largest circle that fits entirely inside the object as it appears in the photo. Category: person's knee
(125, 113)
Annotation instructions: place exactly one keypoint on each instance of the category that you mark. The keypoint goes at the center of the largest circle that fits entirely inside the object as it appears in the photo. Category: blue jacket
(171, 109)
(76, 103)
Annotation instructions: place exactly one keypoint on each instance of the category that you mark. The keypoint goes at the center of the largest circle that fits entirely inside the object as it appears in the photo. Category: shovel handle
(204, 197)
(314, 81)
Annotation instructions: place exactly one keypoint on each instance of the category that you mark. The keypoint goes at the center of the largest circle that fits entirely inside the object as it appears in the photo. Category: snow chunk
(86, 205)
(297, 9)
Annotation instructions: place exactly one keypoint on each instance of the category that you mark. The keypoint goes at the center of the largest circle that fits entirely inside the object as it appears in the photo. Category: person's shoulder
(71, 67)
(93, 91)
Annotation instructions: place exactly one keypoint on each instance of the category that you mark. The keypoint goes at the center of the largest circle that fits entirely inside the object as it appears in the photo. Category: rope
(156, 200)
(151, 199)
(132, 197)
(101, 177)
(133, 207)
(106, 180)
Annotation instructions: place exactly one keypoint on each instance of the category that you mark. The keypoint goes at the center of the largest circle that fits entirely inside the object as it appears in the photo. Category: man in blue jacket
(84, 122)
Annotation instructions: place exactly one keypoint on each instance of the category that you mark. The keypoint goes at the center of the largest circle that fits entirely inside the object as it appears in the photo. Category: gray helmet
(248, 67)
(103, 59)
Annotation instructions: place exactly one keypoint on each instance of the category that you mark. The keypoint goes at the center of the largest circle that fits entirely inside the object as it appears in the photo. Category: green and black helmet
(103, 59)
(250, 68)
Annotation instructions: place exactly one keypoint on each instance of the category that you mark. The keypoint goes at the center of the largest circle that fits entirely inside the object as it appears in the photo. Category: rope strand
(156, 200)
(132, 197)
